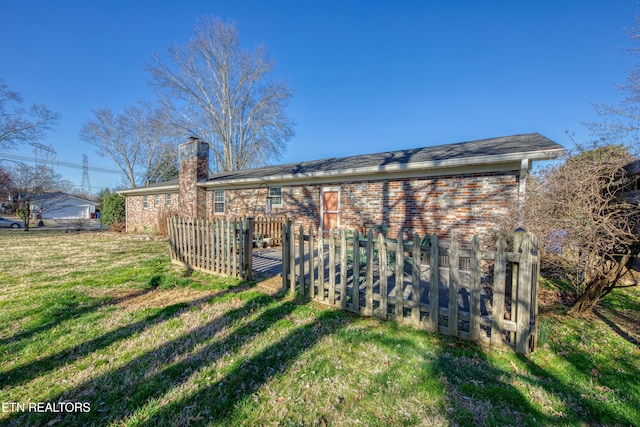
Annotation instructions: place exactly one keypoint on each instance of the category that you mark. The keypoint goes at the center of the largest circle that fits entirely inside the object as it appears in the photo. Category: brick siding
(468, 203)
(141, 219)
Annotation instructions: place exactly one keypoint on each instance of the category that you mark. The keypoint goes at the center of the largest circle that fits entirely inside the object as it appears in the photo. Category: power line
(62, 163)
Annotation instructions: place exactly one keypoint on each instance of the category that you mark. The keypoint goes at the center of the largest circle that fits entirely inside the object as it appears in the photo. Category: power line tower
(85, 185)
(44, 156)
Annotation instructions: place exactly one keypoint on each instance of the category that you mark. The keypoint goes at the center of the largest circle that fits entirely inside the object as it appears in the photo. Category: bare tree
(19, 124)
(135, 140)
(590, 233)
(213, 89)
(620, 122)
(31, 181)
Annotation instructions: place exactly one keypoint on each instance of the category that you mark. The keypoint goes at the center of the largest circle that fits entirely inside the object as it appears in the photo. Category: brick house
(464, 187)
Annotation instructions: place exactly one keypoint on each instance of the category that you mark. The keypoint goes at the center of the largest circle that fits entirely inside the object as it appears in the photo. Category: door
(330, 208)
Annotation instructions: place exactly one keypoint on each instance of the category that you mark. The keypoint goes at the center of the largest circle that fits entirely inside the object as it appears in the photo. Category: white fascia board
(152, 190)
(412, 170)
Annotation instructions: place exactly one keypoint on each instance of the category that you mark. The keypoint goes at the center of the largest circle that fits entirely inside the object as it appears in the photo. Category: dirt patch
(271, 286)
(157, 298)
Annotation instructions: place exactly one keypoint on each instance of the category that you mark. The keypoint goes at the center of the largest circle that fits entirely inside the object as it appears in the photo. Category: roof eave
(149, 190)
(438, 165)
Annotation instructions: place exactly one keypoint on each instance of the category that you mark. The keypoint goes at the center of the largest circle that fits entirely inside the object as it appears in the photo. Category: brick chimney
(193, 168)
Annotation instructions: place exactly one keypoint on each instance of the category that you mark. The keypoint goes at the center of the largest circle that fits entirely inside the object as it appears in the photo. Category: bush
(113, 210)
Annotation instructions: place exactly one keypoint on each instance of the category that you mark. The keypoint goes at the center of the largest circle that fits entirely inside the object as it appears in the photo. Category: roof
(484, 152)
(56, 194)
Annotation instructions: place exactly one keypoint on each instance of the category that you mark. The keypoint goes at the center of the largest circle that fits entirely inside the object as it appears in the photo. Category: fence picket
(286, 270)
(415, 280)
(454, 286)
(434, 284)
(301, 285)
(332, 267)
(523, 310)
(292, 261)
(321, 284)
(499, 278)
(368, 308)
(312, 270)
(475, 290)
(399, 278)
(355, 292)
(343, 269)
(382, 262)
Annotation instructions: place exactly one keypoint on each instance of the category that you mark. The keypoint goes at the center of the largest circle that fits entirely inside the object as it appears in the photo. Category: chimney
(194, 168)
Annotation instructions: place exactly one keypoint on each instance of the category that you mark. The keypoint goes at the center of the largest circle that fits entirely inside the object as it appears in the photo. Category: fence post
(248, 249)
(474, 299)
(434, 284)
(355, 291)
(332, 266)
(382, 261)
(321, 263)
(172, 245)
(301, 286)
(415, 280)
(368, 307)
(523, 305)
(292, 261)
(399, 278)
(312, 260)
(343, 269)
(535, 278)
(285, 253)
(499, 279)
(454, 285)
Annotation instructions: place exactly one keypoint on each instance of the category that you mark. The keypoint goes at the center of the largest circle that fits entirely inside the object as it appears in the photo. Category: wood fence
(489, 297)
(221, 247)
(268, 228)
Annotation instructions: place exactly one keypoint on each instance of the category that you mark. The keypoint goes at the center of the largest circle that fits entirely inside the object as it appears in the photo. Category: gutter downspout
(522, 189)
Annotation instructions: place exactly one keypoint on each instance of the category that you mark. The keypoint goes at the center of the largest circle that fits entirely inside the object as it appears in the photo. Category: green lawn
(101, 329)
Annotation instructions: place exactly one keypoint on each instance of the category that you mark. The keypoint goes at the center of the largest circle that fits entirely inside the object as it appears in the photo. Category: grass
(106, 321)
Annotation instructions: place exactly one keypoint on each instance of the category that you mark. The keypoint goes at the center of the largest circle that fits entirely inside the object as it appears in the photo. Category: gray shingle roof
(515, 144)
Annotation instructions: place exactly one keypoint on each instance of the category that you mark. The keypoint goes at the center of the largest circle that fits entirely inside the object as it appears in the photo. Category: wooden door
(330, 208)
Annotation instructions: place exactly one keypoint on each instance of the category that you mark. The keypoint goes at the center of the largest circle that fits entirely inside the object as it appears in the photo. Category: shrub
(113, 210)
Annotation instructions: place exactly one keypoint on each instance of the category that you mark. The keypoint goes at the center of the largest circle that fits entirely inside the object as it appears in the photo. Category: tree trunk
(590, 297)
(595, 290)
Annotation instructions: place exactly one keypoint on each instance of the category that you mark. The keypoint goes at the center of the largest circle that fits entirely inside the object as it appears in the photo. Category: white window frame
(217, 203)
(145, 201)
(275, 200)
(167, 199)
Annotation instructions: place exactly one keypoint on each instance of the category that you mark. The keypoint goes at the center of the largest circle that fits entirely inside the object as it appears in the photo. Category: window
(275, 196)
(167, 199)
(218, 201)
(145, 203)
(157, 200)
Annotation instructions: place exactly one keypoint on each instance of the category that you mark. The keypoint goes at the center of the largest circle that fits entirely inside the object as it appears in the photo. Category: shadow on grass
(588, 405)
(29, 371)
(116, 395)
(219, 399)
(617, 329)
(68, 309)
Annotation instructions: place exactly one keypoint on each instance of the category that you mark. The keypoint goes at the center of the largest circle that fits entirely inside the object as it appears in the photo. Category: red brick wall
(469, 203)
(194, 168)
(141, 219)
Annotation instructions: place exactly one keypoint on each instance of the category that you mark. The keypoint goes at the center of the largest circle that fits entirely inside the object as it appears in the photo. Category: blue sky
(368, 76)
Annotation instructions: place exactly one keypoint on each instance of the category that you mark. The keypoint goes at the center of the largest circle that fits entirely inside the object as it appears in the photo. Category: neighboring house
(60, 205)
(464, 187)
